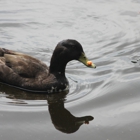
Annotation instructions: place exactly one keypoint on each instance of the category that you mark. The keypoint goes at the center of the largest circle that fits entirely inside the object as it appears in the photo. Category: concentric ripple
(110, 40)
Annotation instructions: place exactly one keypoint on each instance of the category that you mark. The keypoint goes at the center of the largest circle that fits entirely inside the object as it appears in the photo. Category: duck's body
(29, 73)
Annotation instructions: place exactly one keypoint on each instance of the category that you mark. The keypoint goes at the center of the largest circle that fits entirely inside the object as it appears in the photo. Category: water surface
(108, 97)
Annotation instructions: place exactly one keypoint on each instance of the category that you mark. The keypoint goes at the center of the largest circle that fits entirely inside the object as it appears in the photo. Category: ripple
(17, 100)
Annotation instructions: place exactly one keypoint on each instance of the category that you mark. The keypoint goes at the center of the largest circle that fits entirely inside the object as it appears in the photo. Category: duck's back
(22, 64)
(18, 66)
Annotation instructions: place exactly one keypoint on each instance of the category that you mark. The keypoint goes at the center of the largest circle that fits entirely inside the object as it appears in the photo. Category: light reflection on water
(109, 33)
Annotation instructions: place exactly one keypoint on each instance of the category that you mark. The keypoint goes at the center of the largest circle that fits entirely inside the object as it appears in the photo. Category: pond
(102, 103)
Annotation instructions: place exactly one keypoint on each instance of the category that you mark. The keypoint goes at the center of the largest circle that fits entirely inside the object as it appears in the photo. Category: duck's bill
(86, 62)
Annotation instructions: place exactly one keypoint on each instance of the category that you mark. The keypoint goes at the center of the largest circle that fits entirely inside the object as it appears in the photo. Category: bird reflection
(61, 118)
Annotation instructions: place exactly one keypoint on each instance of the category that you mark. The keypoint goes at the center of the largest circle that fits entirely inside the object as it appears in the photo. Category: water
(109, 32)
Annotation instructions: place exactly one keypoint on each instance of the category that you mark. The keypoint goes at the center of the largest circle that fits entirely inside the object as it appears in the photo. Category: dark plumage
(28, 73)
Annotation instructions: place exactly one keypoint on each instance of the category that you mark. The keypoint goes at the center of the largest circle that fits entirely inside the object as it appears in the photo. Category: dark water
(110, 34)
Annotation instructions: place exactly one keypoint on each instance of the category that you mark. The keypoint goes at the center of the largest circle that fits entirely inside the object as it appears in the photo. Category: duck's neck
(58, 66)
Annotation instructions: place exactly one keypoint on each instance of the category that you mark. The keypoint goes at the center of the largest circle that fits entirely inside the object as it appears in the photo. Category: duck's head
(68, 50)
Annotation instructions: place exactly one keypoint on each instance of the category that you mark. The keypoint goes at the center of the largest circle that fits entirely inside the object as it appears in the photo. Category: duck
(30, 74)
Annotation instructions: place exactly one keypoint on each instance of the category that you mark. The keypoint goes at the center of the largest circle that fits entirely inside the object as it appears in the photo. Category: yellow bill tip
(90, 64)
(86, 62)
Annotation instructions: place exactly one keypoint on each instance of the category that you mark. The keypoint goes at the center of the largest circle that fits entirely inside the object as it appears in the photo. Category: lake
(102, 103)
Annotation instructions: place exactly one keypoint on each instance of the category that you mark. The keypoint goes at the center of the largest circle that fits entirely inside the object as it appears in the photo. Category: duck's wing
(21, 64)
